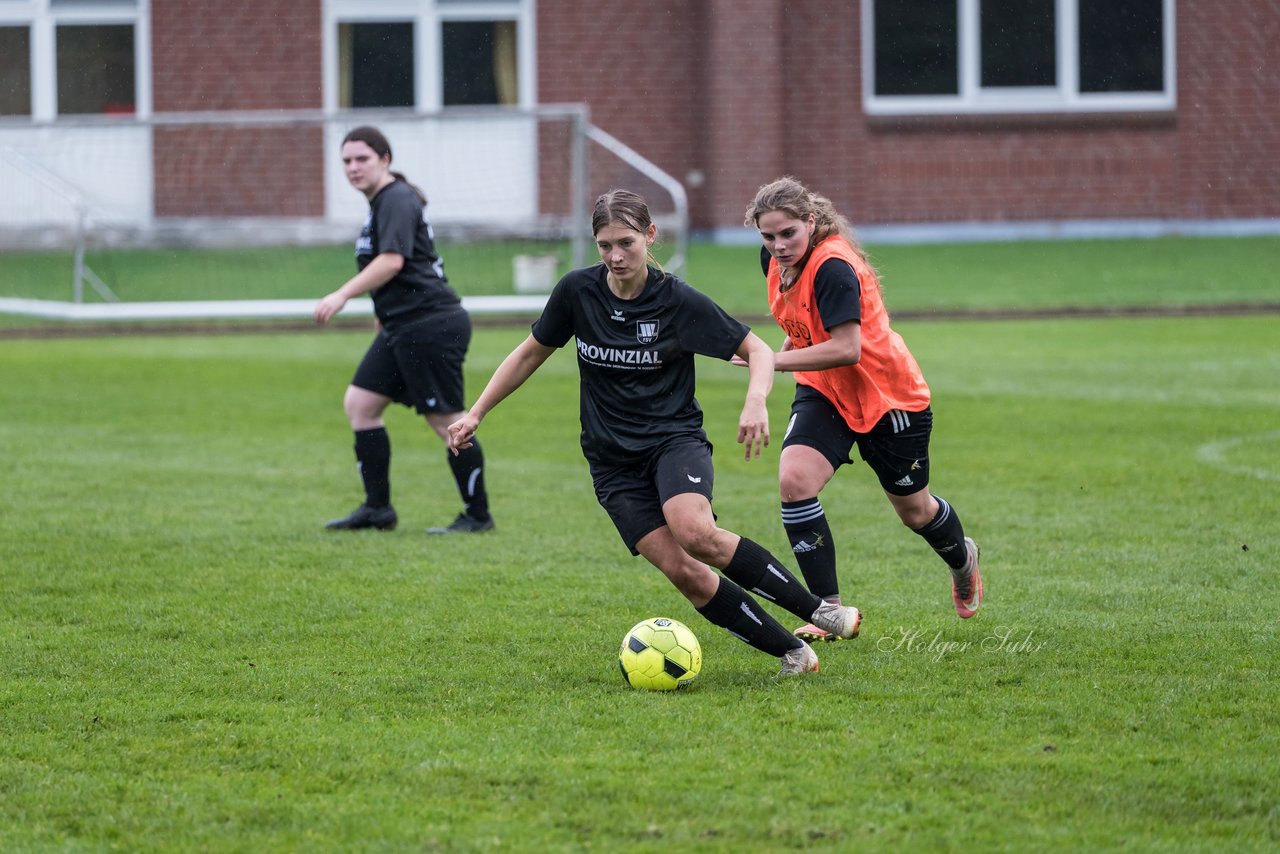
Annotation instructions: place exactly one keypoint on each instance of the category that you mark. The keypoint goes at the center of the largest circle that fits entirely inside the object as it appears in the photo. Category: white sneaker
(800, 660)
(837, 621)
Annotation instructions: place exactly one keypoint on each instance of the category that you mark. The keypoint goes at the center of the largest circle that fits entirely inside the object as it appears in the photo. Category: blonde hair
(789, 196)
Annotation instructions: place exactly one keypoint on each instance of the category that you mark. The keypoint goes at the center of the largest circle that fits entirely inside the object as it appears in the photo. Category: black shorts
(420, 365)
(633, 493)
(896, 448)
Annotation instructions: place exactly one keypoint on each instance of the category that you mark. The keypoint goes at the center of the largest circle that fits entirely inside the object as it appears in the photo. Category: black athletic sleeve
(554, 327)
(838, 293)
(706, 328)
(397, 223)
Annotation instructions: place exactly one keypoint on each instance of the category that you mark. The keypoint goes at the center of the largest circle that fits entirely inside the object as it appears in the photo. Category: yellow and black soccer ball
(660, 654)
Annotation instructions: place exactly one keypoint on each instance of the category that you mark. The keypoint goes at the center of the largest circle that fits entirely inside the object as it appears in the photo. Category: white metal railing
(237, 309)
(75, 199)
(679, 198)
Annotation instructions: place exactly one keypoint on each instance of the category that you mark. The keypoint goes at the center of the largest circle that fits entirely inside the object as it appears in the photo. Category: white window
(1017, 56)
(428, 54)
(74, 57)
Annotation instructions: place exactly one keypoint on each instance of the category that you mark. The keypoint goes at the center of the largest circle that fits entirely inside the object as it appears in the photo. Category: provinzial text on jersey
(614, 357)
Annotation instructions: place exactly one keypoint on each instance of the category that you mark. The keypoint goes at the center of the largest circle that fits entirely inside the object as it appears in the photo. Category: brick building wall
(746, 107)
(742, 91)
(639, 66)
(1228, 108)
(245, 55)
(728, 94)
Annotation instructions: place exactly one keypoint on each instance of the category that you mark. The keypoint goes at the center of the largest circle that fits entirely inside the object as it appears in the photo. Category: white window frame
(973, 98)
(45, 16)
(427, 15)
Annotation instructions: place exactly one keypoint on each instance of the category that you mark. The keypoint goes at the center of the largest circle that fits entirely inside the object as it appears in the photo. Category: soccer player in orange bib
(857, 384)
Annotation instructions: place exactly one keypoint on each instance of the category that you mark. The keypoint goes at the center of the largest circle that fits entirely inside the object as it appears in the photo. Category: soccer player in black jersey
(422, 337)
(637, 330)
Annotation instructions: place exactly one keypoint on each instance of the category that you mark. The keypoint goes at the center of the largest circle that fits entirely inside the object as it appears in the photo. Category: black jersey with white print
(397, 222)
(835, 287)
(635, 357)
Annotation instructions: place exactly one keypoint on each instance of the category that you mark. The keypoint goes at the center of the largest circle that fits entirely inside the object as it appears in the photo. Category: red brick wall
(728, 94)
(1228, 142)
(639, 66)
(224, 171)
(748, 125)
(746, 91)
(240, 55)
(236, 55)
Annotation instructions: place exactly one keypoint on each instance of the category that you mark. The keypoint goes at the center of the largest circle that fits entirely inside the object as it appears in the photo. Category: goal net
(253, 207)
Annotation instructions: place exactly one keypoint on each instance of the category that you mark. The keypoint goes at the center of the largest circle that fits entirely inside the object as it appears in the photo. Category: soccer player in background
(857, 385)
(638, 329)
(422, 337)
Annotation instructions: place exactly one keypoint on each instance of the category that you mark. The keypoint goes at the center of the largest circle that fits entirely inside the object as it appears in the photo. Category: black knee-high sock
(760, 572)
(373, 455)
(468, 472)
(810, 535)
(946, 535)
(732, 609)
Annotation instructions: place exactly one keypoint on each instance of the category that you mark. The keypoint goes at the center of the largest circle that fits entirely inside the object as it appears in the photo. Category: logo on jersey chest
(798, 330)
(646, 331)
(618, 357)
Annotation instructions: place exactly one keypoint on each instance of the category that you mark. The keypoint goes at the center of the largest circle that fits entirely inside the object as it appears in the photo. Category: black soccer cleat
(465, 524)
(364, 516)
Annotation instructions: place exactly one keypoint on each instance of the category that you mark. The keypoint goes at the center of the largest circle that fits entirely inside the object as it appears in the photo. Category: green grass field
(189, 662)
(1089, 274)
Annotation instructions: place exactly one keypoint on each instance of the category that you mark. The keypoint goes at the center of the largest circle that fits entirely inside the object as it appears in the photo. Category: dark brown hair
(376, 140)
(627, 209)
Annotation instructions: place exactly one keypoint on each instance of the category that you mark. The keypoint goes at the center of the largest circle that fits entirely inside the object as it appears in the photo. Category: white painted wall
(480, 170)
(47, 170)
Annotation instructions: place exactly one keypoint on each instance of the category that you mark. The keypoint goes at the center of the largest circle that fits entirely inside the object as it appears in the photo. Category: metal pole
(578, 222)
(77, 285)
(674, 188)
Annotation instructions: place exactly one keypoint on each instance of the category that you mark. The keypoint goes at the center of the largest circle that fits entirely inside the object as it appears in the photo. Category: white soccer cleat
(834, 621)
(800, 660)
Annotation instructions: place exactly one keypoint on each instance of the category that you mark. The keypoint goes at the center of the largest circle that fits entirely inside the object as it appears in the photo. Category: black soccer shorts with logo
(633, 492)
(896, 448)
(419, 364)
